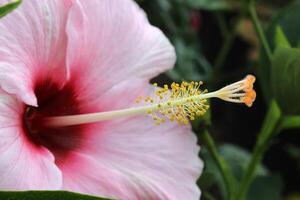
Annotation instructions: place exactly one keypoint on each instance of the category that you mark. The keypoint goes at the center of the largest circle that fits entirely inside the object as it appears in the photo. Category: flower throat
(53, 101)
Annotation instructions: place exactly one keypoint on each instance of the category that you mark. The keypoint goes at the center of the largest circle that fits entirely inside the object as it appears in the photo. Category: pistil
(181, 103)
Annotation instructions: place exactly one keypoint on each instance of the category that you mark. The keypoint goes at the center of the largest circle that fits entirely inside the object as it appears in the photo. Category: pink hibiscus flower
(63, 57)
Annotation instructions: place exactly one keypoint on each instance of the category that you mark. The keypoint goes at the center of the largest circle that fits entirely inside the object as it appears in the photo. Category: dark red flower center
(53, 101)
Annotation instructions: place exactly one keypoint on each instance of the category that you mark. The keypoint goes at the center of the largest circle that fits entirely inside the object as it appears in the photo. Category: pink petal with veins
(23, 165)
(33, 46)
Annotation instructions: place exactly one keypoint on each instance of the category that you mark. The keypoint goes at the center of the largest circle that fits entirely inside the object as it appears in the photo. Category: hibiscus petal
(23, 166)
(83, 173)
(162, 160)
(33, 45)
(112, 40)
(154, 162)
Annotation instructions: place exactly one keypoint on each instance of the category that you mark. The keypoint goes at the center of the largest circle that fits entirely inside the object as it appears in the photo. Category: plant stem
(270, 127)
(229, 39)
(289, 122)
(259, 30)
(222, 24)
(221, 57)
(226, 172)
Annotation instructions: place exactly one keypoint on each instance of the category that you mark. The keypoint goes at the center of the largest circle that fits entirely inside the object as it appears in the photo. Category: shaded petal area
(112, 40)
(152, 162)
(85, 174)
(23, 166)
(33, 45)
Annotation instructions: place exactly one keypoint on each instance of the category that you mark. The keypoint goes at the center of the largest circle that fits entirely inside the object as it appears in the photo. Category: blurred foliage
(288, 21)
(183, 21)
(237, 158)
(212, 5)
(285, 79)
(265, 186)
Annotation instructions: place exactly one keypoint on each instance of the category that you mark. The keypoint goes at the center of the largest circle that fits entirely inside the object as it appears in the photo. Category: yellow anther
(251, 79)
(248, 101)
(251, 94)
(149, 111)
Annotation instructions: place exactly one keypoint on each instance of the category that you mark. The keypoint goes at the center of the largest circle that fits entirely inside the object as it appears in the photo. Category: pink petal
(33, 44)
(83, 173)
(153, 162)
(23, 166)
(112, 40)
(162, 160)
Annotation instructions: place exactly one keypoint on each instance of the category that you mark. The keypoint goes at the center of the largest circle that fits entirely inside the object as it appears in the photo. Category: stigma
(175, 103)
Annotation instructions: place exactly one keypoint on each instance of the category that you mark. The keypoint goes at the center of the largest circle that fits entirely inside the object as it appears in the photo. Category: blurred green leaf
(190, 64)
(293, 151)
(236, 157)
(212, 175)
(288, 20)
(210, 4)
(266, 188)
(285, 79)
(280, 38)
(46, 195)
(7, 8)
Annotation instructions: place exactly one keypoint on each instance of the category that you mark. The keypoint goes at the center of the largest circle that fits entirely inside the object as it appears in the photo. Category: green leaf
(190, 64)
(285, 79)
(210, 4)
(46, 195)
(288, 20)
(280, 38)
(266, 188)
(7, 8)
(236, 157)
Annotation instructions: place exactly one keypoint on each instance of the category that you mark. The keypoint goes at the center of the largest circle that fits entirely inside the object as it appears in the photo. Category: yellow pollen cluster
(185, 101)
(178, 102)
